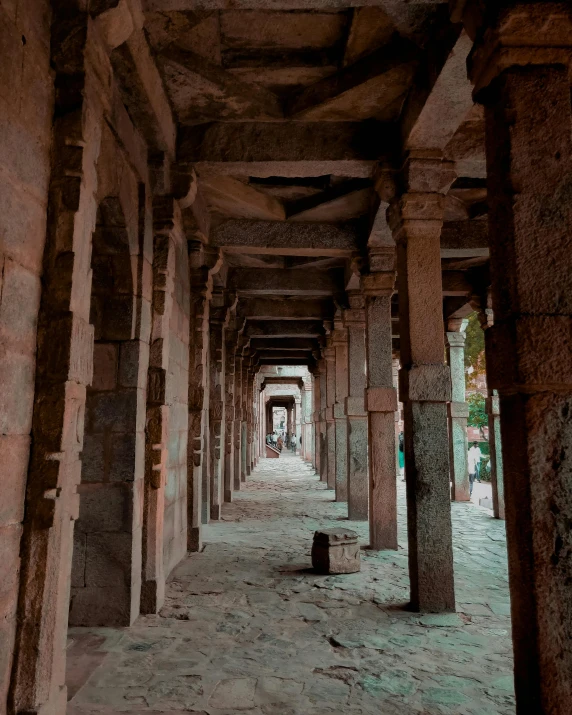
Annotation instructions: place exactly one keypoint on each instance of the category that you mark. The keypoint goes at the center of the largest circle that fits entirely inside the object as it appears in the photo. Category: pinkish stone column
(521, 69)
(330, 355)
(358, 483)
(339, 342)
(458, 411)
(381, 399)
(316, 418)
(416, 219)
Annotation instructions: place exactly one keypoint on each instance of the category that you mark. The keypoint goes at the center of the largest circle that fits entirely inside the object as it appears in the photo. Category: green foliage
(477, 413)
(474, 350)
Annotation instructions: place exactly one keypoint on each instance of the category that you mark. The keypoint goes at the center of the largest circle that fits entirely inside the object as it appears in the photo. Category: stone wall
(26, 108)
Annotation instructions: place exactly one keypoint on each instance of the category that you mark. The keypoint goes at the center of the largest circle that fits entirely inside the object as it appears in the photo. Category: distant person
(279, 443)
(293, 442)
(474, 460)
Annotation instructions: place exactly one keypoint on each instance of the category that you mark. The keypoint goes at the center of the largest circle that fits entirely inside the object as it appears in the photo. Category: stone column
(205, 461)
(339, 342)
(308, 444)
(218, 321)
(230, 340)
(201, 290)
(323, 365)
(250, 422)
(298, 420)
(316, 419)
(289, 419)
(358, 486)
(458, 411)
(395, 375)
(237, 416)
(416, 219)
(330, 355)
(381, 400)
(522, 76)
(244, 413)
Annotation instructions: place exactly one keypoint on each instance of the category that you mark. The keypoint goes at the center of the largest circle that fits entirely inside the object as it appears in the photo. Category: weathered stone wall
(175, 523)
(26, 107)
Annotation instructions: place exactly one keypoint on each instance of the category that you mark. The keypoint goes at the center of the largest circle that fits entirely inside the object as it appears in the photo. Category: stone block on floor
(336, 551)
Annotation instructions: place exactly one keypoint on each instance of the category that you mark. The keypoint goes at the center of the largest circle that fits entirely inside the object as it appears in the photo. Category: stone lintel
(273, 282)
(355, 407)
(425, 383)
(381, 399)
(283, 238)
(458, 409)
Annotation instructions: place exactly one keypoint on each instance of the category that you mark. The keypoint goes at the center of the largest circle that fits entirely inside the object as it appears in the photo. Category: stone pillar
(250, 422)
(218, 321)
(458, 411)
(205, 461)
(230, 339)
(521, 68)
(289, 419)
(416, 219)
(308, 440)
(381, 399)
(358, 486)
(395, 375)
(201, 290)
(330, 355)
(339, 342)
(316, 419)
(323, 365)
(298, 420)
(237, 416)
(244, 414)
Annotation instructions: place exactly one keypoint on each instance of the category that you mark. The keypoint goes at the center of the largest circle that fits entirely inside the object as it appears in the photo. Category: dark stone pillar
(522, 76)
(416, 219)
(230, 338)
(330, 355)
(237, 416)
(339, 342)
(218, 322)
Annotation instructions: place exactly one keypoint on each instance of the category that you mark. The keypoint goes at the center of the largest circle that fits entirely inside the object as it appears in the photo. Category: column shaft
(458, 412)
(358, 480)
(381, 403)
(529, 360)
(329, 417)
(425, 385)
(339, 341)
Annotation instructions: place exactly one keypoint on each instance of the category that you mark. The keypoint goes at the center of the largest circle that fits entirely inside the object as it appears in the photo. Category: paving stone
(266, 636)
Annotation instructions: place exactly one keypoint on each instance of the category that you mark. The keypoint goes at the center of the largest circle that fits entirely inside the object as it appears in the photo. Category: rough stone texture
(531, 302)
(381, 404)
(416, 221)
(26, 110)
(358, 488)
(335, 551)
(246, 625)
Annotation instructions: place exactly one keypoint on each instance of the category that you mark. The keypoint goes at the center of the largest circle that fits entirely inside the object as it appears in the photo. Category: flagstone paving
(247, 627)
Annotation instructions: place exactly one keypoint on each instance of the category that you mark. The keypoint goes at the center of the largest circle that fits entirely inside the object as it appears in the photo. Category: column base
(228, 497)
(215, 512)
(152, 596)
(194, 539)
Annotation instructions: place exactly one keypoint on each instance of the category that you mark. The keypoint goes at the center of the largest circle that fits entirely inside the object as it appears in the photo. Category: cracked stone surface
(247, 627)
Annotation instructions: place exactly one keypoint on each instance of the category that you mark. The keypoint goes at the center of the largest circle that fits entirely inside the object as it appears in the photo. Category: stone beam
(143, 93)
(286, 361)
(287, 239)
(284, 329)
(455, 283)
(385, 73)
(262, 344)
(293, 149)
(259, 281)
(293, 309)
(292, 355)
(235, 198)
(441, 96)
(185, 72)
(460, 239)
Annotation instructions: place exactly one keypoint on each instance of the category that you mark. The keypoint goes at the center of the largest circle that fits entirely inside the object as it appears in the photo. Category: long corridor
(249, 628)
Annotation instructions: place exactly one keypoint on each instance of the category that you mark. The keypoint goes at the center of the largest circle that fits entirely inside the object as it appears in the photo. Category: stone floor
(248, 628)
